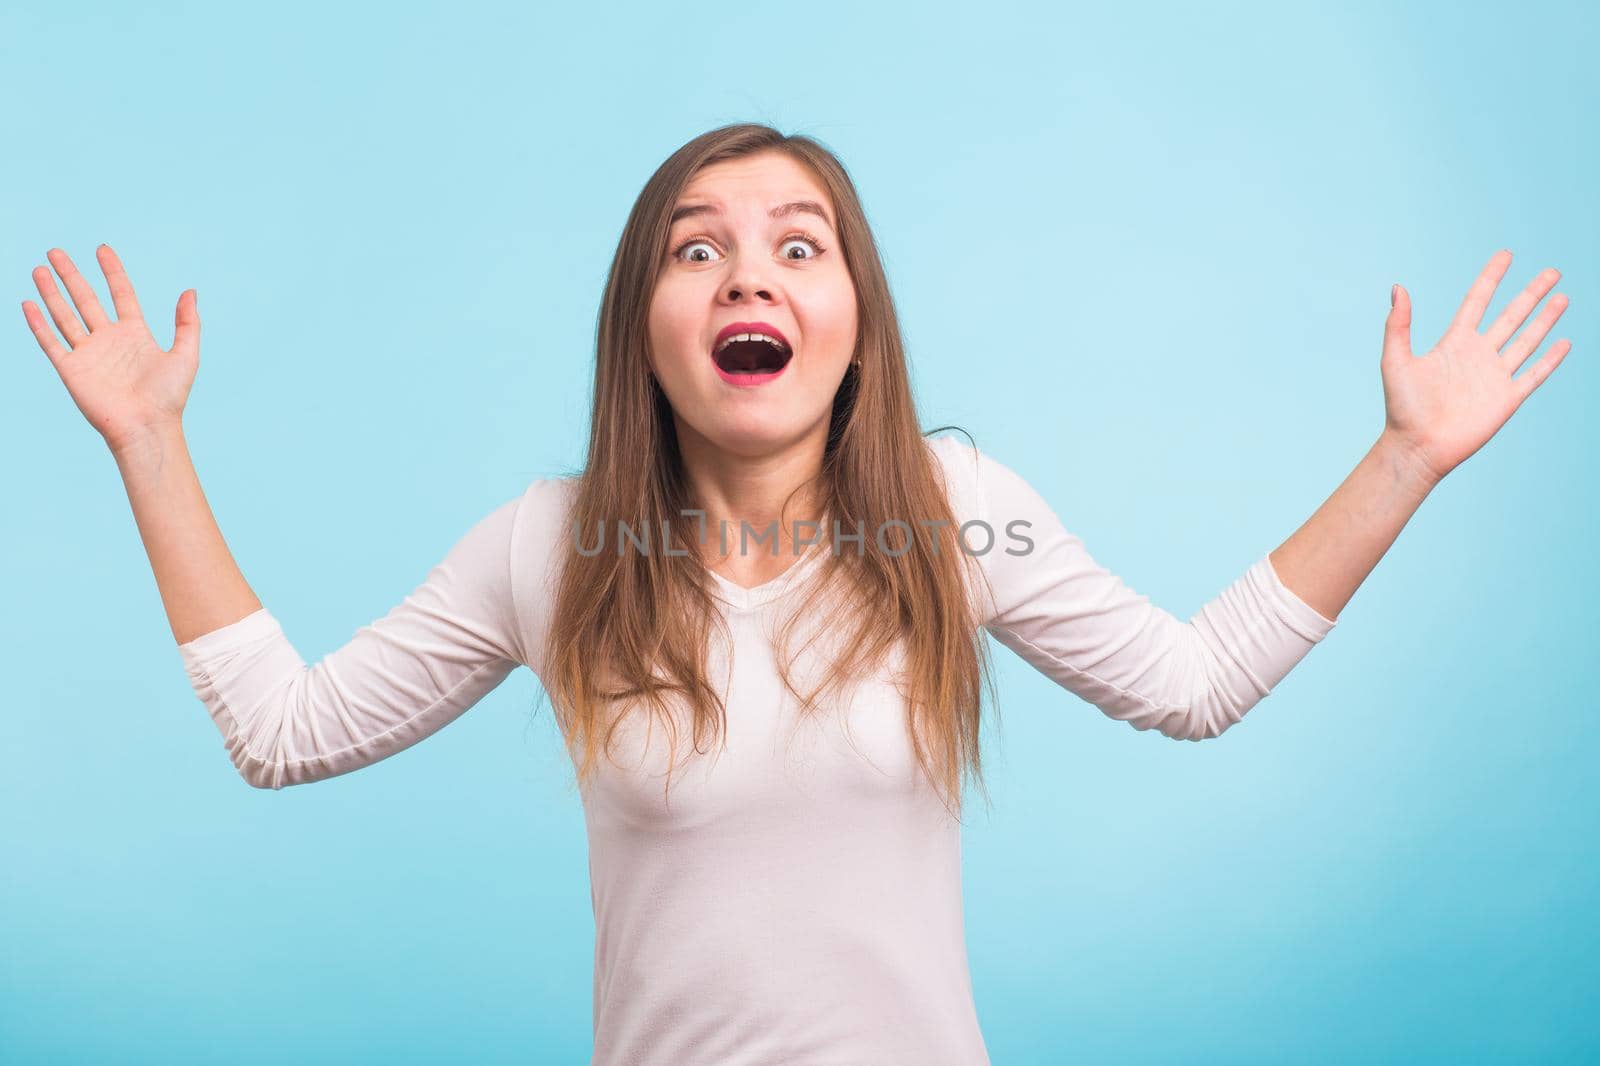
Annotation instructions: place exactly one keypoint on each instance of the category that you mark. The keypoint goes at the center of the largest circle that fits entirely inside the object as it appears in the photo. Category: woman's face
(740, 252)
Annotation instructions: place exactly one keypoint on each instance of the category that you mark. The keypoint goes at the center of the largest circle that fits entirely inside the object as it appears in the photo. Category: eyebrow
(810, 207)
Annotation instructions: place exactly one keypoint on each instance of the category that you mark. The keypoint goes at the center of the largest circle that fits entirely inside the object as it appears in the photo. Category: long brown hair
(634, 626)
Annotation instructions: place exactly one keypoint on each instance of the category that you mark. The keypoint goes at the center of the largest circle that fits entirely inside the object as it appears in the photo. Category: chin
(750, 432)
(751, 435)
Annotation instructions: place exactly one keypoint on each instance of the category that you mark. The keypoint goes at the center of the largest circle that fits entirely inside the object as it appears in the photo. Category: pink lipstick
(747, 354)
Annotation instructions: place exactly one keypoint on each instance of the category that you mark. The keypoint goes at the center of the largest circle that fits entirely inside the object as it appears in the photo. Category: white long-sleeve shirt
(796, 897)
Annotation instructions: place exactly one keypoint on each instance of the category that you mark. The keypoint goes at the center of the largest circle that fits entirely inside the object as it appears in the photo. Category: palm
(1446, 404)
(116, 373)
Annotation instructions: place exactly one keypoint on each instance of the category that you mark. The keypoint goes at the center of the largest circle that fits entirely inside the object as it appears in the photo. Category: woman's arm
(1086, 629)
(201, 585)
(133, 392)
(1328, 558)
(397, 680)
(1441, 408)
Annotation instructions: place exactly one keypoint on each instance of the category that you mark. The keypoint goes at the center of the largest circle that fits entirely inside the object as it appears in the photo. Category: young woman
(760, 611)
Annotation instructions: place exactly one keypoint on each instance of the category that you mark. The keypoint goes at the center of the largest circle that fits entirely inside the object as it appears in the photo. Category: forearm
(201, 586)
(1328, 557)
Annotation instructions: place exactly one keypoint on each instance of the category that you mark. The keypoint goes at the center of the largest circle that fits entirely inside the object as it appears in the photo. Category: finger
(1517, 351)
(1539, 372)
(65, 318)
(1482, 291)
(1520, 307)
(122, 297)
(1397, 327)
(78, 287)
(186, 325)
(43, 333)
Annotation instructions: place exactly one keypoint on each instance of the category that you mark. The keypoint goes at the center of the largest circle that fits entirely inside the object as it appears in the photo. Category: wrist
(1407, 464)
(151, 439)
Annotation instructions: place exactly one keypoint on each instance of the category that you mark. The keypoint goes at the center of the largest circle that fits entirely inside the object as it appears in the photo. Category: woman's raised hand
(125, 384)
(1447, 404)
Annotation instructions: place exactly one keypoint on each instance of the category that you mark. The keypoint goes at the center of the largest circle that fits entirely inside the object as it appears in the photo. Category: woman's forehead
(763, 182)
(701, 208)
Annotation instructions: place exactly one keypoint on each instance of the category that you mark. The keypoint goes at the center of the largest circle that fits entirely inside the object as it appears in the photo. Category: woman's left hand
(1444, 406)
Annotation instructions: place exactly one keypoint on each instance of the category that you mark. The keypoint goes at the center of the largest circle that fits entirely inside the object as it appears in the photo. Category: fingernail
(1393, 289)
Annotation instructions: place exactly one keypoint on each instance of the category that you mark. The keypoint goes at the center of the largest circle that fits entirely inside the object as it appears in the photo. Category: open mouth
(752, 354)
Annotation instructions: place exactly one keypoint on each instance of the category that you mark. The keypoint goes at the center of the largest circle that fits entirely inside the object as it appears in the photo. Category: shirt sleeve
(1086, 629)
(399, 679)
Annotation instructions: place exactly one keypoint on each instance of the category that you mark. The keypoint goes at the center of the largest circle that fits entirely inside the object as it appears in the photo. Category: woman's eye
(682, 248)
(686, 253)
(804, 242)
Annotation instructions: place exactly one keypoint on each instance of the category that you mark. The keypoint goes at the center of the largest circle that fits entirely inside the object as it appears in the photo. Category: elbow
(256, 698)
(1178, 720)
(1205, 713)
(1196, 716)
(261, 754)
(1195, 711)
(1200, 726)
(1217, 692)
(1206, 717)
(1186, 722)
(273, 769)
(256, 771)
(269, 779)
(270, 746)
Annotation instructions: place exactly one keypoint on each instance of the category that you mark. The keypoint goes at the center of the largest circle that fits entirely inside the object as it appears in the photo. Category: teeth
(775, 342)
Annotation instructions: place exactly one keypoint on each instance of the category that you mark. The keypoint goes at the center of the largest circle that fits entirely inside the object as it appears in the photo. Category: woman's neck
(756, 506)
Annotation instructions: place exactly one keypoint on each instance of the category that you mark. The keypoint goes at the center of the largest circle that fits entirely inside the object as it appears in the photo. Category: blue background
(1144, 254)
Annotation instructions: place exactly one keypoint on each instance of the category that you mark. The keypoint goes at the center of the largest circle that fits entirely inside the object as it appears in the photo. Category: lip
(750, 380)
(750, 327)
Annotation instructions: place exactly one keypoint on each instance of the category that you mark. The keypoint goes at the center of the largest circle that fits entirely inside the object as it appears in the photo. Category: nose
(735, 292)
(746, 279)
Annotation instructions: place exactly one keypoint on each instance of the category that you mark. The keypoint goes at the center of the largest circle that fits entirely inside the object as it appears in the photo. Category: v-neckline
(740, 597)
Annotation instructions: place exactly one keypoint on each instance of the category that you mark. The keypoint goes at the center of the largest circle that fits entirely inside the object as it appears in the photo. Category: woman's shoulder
(539, 523)
(960, 463)
(545, 495)
(541, 519)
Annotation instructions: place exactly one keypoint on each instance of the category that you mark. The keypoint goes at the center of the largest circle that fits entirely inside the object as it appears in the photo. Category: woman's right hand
(125, 384)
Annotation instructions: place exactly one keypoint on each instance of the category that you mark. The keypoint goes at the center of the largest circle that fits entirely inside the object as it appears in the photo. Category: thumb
(1397, 327)
(186, 327)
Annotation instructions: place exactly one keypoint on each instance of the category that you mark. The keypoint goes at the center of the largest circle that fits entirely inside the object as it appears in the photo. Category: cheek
(674, 328)
(835, 315)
